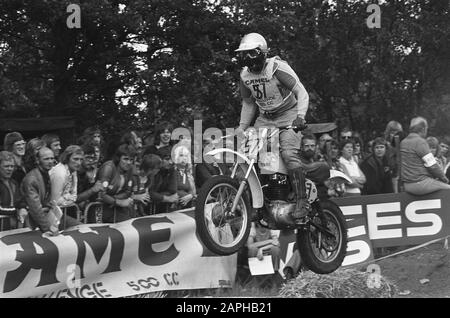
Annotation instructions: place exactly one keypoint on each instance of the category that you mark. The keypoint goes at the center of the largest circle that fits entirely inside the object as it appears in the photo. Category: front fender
(253, 180)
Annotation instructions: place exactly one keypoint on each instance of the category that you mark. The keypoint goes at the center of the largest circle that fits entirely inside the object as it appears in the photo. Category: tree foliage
(139, 62)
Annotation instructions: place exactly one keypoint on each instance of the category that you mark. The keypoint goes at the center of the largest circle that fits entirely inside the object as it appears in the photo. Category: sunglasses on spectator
(346, 137)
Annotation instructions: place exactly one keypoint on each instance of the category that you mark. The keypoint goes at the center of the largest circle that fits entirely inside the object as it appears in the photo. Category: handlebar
(295, 128)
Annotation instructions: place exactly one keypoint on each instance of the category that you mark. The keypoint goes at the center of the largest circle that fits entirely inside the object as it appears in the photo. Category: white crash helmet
(253, 41)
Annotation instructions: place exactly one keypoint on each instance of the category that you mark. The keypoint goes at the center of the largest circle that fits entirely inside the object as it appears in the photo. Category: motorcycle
(259, 190)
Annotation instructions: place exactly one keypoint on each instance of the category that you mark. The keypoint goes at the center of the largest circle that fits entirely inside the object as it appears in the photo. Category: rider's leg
(289, 146)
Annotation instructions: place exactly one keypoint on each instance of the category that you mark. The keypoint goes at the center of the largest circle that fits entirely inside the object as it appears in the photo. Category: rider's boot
(302, 206)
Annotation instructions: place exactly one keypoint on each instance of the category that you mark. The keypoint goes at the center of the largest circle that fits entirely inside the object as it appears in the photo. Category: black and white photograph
(224, 156)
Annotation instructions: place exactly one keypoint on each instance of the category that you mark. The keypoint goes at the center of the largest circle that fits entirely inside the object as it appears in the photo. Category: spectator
(421, 173)
(332, 158)
(261, 239)
(97, 152)
(11, 203)
(147, 170)
(317, 171)
(433, 143)
(346, 133)
(393, 134)
(377, 170)
(36, 190)
(205, 171)
(358, 155)
(116, 176)
(162, 146)
(93, 134)
(133, 139)
(52, 141)
(351, 168)
(63, 176)
(161, 184)
(185, 181)
(31, 150)
(15, 143)
(324, 140)
(444, 153)
(87, 186)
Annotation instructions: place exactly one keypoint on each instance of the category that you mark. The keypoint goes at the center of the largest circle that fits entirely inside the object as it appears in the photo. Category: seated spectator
(15, 144)
(36, 191)
(433, 143)
(11, 203)
(393, 134)
(185, 181)
(351, 168)
(87, 186)
(52, 141)
(116, 176)
(31, 151)
(421, 173)
(263, 239)
(63, 176)
(377, 170)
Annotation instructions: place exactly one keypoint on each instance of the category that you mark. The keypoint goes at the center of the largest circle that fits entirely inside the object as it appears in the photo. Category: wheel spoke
(226, 228)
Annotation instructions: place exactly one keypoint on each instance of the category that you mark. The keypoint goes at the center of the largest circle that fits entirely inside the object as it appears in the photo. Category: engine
(278, 187)
(278, 209)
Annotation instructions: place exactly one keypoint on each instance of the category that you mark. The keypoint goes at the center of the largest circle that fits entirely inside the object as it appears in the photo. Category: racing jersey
(271, 89)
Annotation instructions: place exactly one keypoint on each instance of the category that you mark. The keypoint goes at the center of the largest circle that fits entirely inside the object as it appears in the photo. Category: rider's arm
(248, 107)
(286, 75)
(302, 99)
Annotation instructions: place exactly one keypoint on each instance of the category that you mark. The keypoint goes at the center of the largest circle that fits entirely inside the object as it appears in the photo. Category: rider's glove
(299, 122)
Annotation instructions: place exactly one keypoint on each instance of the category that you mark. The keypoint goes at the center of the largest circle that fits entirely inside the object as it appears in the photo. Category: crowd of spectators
(142, 174)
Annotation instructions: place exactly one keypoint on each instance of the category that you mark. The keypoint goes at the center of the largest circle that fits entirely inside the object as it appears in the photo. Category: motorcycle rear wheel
(320, 253)
(221, 231)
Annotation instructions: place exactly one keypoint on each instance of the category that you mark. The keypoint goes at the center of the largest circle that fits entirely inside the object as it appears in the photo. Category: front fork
(242, 185)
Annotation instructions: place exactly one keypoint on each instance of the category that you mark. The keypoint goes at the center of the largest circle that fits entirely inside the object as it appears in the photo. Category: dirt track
(407, 270)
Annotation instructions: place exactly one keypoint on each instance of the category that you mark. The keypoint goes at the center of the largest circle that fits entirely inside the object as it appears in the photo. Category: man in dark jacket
(11, 203)
(36, 190)
(377, 170)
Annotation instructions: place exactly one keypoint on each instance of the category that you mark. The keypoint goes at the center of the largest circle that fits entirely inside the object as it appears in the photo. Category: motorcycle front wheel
(323, 252)
(222, 231)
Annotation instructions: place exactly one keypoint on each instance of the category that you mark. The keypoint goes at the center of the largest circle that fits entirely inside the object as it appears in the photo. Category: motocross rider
(271, 85)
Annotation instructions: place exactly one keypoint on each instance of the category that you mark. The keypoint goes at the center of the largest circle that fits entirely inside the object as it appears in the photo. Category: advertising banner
(142, 255)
